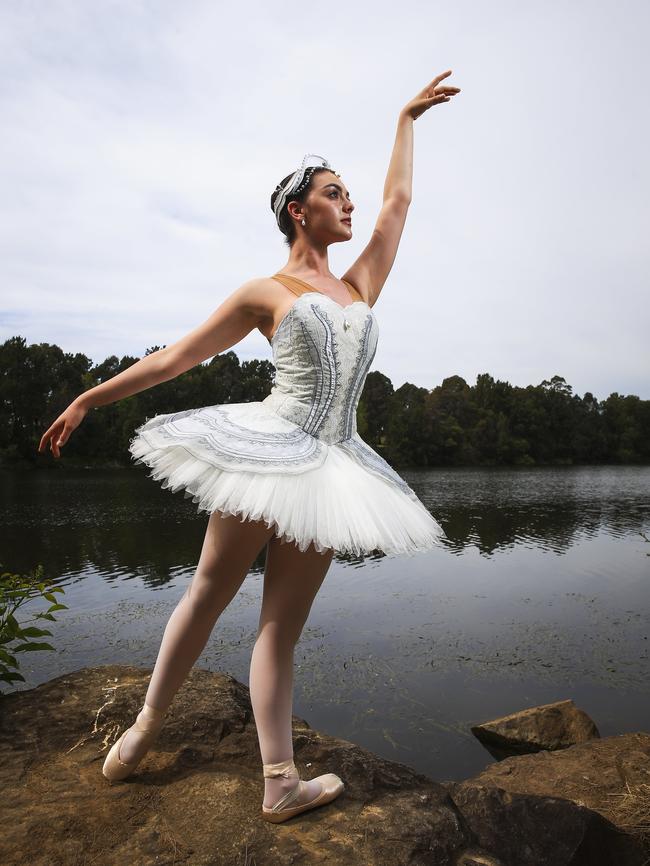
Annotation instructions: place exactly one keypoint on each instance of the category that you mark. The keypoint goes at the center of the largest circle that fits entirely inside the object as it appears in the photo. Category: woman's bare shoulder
(266, 301)
(260, 295)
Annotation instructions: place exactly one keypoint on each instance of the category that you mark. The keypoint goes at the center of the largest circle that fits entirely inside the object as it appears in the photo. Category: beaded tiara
(298, 180)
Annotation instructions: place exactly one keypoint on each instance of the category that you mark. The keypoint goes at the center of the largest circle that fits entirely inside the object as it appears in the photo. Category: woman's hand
(431, 95)
(59, 432)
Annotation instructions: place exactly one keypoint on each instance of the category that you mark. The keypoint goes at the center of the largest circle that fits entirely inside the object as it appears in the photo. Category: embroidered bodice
(322, 352)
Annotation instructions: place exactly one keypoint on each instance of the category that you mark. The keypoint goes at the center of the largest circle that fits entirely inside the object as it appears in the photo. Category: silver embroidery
(375, 463)
(362, 364)
(325, 355)
(213, 433)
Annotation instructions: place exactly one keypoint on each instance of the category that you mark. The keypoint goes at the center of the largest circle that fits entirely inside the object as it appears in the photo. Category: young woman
(289, 472)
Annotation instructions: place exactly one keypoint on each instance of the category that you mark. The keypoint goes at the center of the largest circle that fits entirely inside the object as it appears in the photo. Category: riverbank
(195, 798)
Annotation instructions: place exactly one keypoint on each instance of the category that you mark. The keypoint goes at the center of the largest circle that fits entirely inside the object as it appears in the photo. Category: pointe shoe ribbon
(331, 787)
(148, 723)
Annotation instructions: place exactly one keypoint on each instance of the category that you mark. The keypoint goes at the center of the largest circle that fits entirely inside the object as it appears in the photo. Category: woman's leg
(229, 550)
(291, 582)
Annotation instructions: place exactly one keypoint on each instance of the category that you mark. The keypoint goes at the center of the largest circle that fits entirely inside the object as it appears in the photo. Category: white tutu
(244, 459)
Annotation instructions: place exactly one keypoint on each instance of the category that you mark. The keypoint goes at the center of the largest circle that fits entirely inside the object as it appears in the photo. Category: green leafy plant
(16, 590)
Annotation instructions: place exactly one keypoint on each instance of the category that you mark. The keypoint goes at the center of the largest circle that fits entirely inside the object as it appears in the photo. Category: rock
(505, 804)
(549, 727)
(196, 797)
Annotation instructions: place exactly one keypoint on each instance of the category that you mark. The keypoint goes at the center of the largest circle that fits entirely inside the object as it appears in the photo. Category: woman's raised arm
(230, 323)
(370, 271)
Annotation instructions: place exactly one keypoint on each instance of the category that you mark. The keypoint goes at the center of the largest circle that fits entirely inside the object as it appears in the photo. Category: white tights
(291, 581)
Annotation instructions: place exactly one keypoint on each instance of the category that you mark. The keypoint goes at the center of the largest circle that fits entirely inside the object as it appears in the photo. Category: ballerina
(289, 473)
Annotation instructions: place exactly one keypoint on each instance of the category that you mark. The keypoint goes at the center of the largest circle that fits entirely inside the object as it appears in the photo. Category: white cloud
(141, 142)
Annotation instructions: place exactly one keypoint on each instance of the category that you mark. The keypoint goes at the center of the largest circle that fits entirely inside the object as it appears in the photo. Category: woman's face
(328, 208)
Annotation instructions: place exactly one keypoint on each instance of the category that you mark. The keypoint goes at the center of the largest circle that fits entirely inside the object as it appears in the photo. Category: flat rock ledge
(196, 796)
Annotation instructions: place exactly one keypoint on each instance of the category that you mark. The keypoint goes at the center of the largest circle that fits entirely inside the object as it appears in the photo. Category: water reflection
(546, 508)
(123, 525)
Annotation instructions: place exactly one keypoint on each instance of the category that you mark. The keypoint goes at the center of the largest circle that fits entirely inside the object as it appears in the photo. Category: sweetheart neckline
(323, 295)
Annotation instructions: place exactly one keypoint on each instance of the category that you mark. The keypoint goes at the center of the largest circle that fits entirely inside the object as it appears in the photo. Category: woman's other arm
(239, 314)
(229, 324)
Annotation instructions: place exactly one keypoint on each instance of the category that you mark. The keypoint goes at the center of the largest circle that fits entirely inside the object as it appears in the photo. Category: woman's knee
(292, 579)
(281, 634)
(210, 593)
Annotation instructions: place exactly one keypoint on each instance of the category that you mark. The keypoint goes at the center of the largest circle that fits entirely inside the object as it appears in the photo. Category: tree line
(490, 423)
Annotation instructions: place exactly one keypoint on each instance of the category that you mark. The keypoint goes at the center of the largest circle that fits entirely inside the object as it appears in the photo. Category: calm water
(541, 593)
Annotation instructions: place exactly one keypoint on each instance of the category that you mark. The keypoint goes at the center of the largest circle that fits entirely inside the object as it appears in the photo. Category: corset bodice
(322, 352)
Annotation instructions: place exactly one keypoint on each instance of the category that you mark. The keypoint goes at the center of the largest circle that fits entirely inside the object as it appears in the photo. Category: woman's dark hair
(287, 226)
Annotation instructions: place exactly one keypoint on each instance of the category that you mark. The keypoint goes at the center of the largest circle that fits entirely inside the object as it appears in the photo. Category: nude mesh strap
(285, 280)
(303, 287)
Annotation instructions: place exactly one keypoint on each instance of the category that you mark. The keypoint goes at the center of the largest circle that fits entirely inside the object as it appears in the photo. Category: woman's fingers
(434, 96)
(45, 438)
(58, 433)
(52, 435)
(56, 442)
(439, 78)
(436, 81)
(444, 94)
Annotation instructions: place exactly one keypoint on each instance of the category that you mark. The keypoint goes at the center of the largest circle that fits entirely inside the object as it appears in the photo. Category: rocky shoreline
(557, 795)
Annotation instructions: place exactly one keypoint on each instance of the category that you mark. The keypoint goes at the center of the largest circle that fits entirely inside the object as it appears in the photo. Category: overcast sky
(141, 142)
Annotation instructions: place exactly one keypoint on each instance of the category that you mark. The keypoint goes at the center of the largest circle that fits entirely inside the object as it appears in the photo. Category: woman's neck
(308, 259)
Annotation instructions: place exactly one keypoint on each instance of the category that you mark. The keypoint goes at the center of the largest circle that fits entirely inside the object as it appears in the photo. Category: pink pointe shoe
(331, 787)
(147, 724)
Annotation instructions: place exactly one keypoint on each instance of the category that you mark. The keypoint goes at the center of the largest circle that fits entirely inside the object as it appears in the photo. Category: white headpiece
(297, 180)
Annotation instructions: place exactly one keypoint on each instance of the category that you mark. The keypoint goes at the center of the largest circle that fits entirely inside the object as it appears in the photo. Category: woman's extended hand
(59, 432)
(431, 95)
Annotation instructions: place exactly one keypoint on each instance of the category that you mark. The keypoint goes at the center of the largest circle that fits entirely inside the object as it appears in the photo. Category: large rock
(548, 726)
(196, 797)
(588, 779)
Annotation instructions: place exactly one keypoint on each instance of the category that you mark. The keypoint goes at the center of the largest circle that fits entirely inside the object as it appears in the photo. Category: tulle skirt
(244, 459)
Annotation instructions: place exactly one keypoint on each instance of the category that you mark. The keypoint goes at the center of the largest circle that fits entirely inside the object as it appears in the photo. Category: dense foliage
(453, 424)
